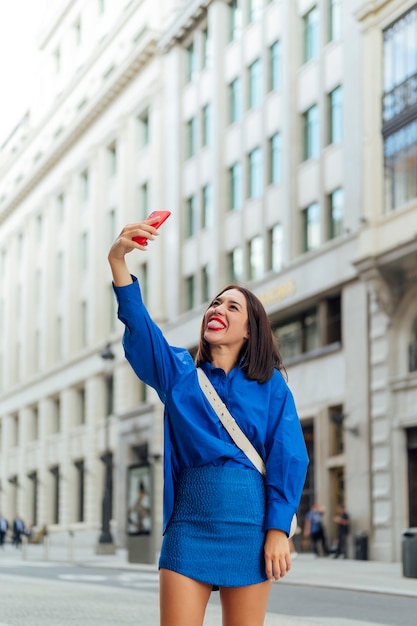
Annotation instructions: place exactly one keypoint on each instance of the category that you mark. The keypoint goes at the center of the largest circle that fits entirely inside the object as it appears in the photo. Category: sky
(20, 22)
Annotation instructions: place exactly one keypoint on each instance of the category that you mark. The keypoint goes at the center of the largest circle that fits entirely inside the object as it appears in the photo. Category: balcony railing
(399, 99)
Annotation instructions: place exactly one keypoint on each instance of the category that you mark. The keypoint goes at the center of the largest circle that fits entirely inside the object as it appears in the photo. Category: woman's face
(226, 320)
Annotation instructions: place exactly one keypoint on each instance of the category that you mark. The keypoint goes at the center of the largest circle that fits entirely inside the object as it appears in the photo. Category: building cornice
(122, 75)
(184, 24)
(369, 9)
(382, 12)
(53, 21)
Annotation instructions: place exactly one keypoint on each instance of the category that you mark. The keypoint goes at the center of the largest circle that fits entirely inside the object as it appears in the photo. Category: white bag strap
(229, 422)
(234, 430)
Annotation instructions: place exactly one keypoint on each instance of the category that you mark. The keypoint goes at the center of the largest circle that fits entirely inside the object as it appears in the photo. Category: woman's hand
(123, 244)
(277, 554)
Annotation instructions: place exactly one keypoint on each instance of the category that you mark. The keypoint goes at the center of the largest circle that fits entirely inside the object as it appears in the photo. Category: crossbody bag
(234, 430)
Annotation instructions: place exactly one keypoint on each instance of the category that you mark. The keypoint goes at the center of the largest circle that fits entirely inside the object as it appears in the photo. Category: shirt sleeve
(151, 357)
(286, 463)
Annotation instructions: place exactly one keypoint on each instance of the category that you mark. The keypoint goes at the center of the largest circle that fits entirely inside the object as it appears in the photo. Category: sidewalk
(372, 576)
(368, 576)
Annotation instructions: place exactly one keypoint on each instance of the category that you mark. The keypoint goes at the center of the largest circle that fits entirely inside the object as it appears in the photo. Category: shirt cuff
(279, 516)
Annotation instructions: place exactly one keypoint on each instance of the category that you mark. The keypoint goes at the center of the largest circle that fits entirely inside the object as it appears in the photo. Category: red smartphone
(162, 215)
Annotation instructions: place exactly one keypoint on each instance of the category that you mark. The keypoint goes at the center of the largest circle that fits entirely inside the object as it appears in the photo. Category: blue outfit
(193, 435)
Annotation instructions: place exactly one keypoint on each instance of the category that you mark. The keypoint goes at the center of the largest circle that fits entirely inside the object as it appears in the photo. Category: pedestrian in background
(225, 525)
(342, 520)
(315, 531)
(18, 530)
(4, 525)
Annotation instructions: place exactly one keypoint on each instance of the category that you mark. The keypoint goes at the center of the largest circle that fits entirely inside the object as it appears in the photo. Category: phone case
(163, 215)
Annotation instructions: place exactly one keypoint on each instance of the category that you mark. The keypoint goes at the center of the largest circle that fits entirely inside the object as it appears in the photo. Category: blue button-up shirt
(194, 435)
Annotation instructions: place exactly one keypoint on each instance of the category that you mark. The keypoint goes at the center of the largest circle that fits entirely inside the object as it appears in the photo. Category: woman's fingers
(277, 554)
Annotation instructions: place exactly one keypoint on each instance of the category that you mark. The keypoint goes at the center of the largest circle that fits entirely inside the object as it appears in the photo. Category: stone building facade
(282, 136)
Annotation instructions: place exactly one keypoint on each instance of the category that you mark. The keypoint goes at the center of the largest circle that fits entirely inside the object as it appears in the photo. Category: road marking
(91, 578)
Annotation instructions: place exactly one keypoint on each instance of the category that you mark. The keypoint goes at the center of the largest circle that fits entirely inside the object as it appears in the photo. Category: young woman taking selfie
(227, 517)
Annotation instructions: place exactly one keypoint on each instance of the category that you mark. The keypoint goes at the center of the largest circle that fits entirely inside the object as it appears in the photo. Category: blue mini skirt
(216, 533)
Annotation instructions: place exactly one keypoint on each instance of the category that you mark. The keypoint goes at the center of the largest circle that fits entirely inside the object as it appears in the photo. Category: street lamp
(105, 542)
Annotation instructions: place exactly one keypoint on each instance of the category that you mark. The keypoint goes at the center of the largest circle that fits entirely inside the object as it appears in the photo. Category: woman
(225, 526)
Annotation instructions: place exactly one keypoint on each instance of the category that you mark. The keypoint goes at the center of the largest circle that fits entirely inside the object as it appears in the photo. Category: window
(311, 34)
(84, 323)
(299, 335)
(191, 138)
(311, 133)
(57, 60)
(55, 493)
(276, 243)
(109, 381)
(35, 424)
(235, 186)
(15, 430)
(60, 208)
(235, 20)
(275, 159)
(236, 265)
(112, 159)
(84, 251)
(311, 227)
(254, 10)
(207, 49)
(336, 115)
(112, 307)
(81, 407)
(190, 288)
(235, 98)
(400, 150)
(207, 206)
(412, 350)
(58, 338)
(255, 173)
(206, 280)
(144, 281)
(332, 313)
(111, 226)
(79, 495)
(143, 129)
(144, 200)
(77, 33)
(206, 118)
(336, 213)
(256, 258)
(59, 270)
(84, 186)
(400, 111)
(39, 228)
(275, 66)
(255, 84)
(191, 216)
(400, 65)
(56, 416)
(335, 19)
(33, 497)
(191, 63)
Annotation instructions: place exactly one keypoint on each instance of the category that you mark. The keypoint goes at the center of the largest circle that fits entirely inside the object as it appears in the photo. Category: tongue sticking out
(215, 325)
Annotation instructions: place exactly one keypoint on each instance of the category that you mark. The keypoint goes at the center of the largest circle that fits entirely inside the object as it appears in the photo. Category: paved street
(90, 590)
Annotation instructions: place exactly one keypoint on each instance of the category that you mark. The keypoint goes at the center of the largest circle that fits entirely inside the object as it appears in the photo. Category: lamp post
(105, 542)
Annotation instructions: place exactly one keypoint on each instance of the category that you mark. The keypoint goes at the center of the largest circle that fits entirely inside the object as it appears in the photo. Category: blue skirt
(216, 533)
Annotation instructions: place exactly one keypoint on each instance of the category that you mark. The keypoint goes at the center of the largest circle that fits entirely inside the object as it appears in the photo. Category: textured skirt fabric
(216, 534)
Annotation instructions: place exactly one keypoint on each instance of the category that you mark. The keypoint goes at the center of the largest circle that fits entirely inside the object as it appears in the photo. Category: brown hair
(260, 353)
